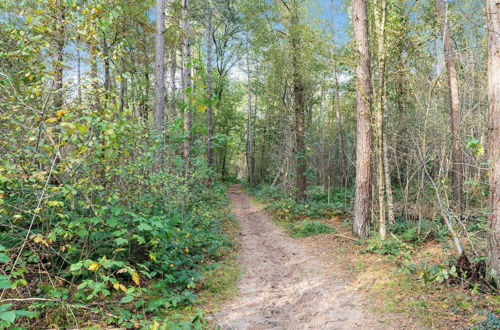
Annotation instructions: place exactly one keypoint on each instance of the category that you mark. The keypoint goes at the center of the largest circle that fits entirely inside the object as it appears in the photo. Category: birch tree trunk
(493, 28)
(363, 195)
(450, 57)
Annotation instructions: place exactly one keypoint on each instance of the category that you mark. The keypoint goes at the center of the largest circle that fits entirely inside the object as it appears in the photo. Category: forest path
(285, 284)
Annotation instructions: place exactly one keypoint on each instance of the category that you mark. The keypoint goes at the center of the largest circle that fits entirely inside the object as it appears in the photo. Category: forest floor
(292, 283)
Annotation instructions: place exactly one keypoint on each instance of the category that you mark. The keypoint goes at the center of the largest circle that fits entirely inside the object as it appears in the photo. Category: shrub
(309, 228)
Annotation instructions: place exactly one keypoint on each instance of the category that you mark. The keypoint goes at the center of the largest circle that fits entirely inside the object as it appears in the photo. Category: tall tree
(298, 102)
(450, 60)
(493, 24)
(363, 195)
(186, 79)
(160, 66)
(250, 142)
(380, 102)
(210, 127)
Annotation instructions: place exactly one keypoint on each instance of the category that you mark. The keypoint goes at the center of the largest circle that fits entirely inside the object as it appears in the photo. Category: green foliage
(412, 232)
(438, 273)
(309, 228)
(393, 247)
(8, 315)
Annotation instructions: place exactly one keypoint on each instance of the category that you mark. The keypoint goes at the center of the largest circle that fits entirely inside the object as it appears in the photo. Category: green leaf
(25, 313)
(76, 267)
(5, 307)
(4, 258)
(4, 283)
(9, 316)
(121, 241)
(126, 299)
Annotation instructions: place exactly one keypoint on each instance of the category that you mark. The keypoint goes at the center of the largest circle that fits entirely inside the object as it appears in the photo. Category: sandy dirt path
(285, 285)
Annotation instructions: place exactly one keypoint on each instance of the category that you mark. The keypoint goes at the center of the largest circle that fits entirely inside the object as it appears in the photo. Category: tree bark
(188, 115)
(298, 105)
(380, 20)
(338, 115)
(250, 148)
(123, 86)
(59, 58)
(388, 183)
(363, 195)
(160, 66)
(493, 27)
(450, 57)
(173, 96)
(210, 128)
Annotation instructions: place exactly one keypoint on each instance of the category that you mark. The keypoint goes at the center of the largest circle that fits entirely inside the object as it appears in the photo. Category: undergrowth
(104, 238)
(309, 228)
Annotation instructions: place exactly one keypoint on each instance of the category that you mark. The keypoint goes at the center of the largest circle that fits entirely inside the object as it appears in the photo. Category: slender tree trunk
(388, 184)
(173, 69)
(493, 24)
(123, 86)
(58, 59)
(380, 19)
(78, 71)
(160, 66)
(250, 152)
(338, 115)
(298, 105)
(188, 115)
(210, 128)
(362, 203)
(450, 57)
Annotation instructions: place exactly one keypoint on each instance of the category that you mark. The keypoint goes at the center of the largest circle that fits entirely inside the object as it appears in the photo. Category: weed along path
(285, 285)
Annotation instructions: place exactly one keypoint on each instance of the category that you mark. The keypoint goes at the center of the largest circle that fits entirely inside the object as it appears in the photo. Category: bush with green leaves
(309, 228)
(95, 217)
(393, 247)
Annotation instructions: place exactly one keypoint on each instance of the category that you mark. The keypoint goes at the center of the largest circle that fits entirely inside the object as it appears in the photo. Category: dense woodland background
(120, 125)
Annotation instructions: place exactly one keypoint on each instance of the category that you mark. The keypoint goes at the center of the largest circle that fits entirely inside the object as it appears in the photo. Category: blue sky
(334, 12)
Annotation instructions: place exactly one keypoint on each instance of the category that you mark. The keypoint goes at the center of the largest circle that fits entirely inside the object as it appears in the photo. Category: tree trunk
(362, 203)
(388, 184)
(58, 59)
(188, 115)
(210, 128)
(250, 151)
(123, 86)
(298, 105)
(380, 19)
(493, 24)
(338, 115)
(173, 69)
(450, 57)
(160, 66)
